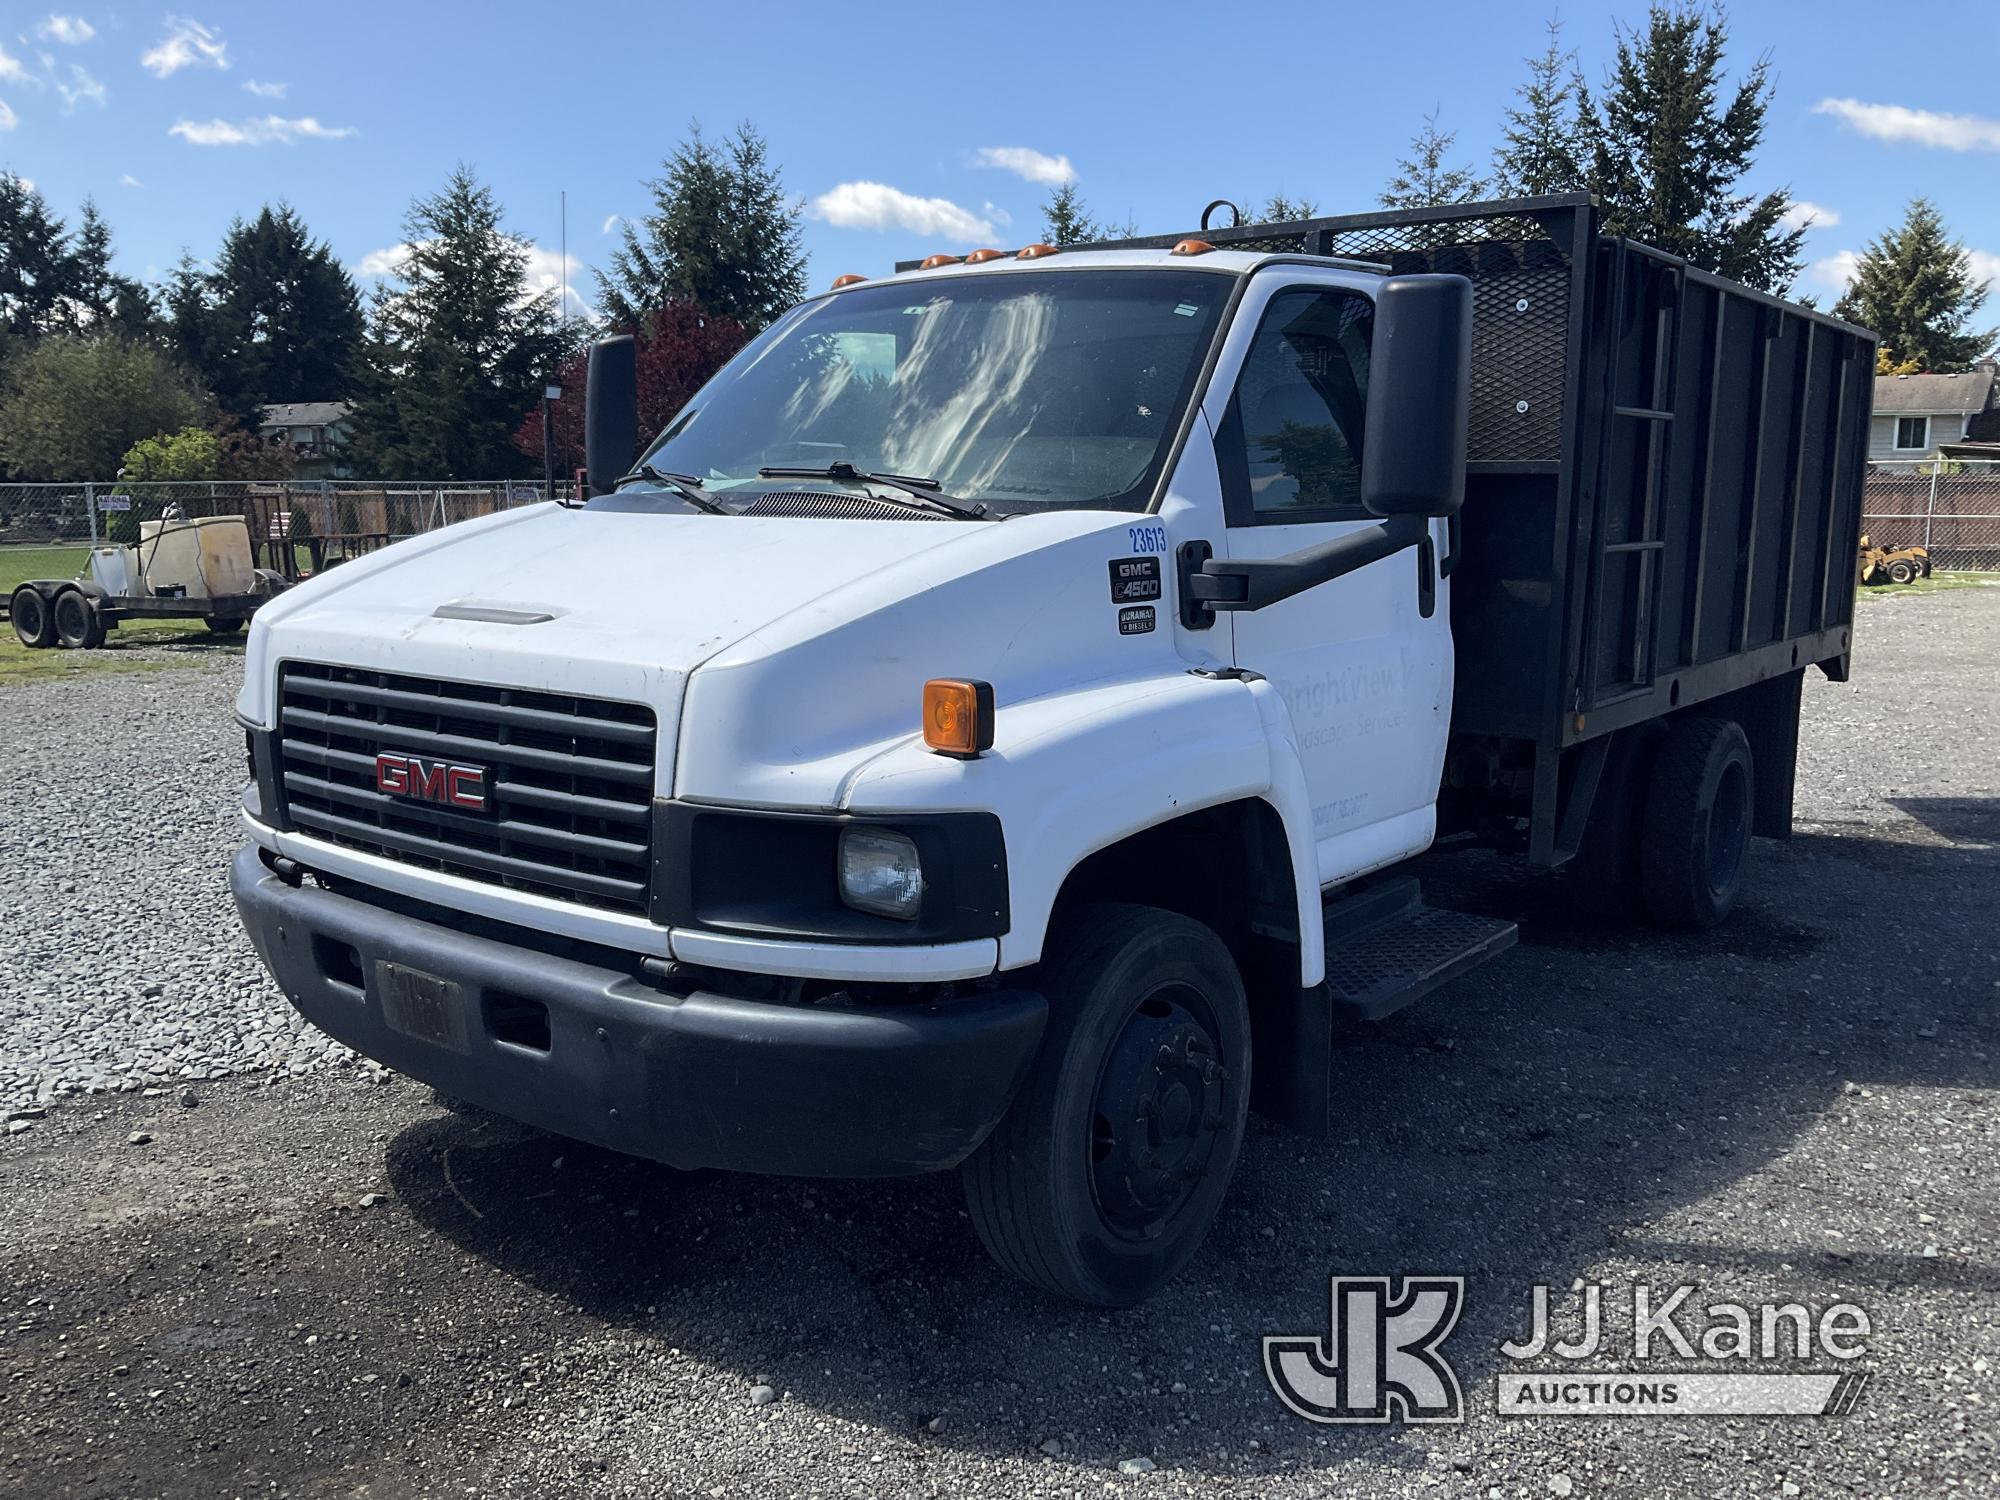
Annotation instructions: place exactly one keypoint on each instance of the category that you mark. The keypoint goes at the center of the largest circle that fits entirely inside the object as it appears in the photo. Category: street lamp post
(551, 393)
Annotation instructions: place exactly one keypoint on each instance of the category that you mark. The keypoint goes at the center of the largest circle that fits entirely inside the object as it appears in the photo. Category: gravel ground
(122, 964)
(307, 1284)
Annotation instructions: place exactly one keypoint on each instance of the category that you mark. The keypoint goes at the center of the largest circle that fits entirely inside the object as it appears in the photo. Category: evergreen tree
(278, 319)
(722, 235)
(34, 262)
(460, 348)
(1279, 209)
(1425, 180)
(1914, 286)
(1065, 221)
(1542, 150)
(1671, 145)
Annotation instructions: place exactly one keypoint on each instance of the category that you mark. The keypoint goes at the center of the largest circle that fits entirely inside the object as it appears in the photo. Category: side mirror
(611, 412)
(1419, 392)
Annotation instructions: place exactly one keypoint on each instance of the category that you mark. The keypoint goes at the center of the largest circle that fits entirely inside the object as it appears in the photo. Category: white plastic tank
(114, 569)
(204, 558)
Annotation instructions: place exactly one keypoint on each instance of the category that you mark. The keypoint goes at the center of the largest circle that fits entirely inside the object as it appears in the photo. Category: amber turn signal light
(848, 280)
(958, 716)
(1193, 247)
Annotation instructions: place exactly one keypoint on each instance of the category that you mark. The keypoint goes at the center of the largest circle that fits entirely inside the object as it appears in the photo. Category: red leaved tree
(681, 347)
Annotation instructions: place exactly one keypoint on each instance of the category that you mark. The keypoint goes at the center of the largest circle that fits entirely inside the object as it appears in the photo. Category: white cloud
(545, 274)
(1918, 127)
(1985, 265)
(187, 44)
(128, 180)
(8, 119)
(379, 263)
(269, 130)
(874, 205)
(266, 90)
(1833, 272)
(72, 31)
(13, 69)
(611, 222)
(81, 89)
(1804, 214)
(1023, 161)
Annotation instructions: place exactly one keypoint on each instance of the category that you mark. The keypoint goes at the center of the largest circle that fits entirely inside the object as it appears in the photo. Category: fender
(1076, 772)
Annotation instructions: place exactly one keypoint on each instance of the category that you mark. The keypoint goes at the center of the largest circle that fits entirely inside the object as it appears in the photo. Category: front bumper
(694, 1080)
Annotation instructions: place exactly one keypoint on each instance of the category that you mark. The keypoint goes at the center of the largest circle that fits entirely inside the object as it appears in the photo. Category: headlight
(880, 873)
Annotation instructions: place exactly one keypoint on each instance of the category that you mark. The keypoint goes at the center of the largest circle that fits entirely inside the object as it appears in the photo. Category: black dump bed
(1663, 496)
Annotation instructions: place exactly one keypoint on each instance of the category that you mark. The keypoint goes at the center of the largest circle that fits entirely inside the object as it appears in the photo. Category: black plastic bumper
(694, 1080)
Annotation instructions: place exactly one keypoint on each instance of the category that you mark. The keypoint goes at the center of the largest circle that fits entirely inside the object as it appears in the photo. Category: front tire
(1109, 1169)
(1699, 810)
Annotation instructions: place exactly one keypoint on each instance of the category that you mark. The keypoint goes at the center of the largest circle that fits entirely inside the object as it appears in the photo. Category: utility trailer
(775, 809)
(182, 569)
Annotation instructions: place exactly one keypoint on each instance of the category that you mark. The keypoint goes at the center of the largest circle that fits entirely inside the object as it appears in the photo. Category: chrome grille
(569, 780)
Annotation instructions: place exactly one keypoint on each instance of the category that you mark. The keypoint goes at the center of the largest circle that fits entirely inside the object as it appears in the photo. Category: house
(315, 429)
(1915, 414)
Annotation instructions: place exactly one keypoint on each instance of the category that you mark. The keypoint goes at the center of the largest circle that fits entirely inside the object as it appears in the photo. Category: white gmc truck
(989, 727)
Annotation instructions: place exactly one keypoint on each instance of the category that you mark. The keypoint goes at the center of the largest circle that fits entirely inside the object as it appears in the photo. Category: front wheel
(1108, 1170)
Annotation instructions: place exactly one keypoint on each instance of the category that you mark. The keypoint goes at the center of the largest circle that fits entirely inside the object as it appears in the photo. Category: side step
(1384, 949)
(1393, 963)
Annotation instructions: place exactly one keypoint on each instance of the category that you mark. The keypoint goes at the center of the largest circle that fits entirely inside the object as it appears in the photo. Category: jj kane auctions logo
(1381, 1358)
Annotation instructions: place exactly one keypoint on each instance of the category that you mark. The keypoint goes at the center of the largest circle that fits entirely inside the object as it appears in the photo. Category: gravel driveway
(304, 1281)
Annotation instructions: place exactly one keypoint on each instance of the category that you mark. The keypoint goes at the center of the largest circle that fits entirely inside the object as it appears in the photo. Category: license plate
(422, 1005)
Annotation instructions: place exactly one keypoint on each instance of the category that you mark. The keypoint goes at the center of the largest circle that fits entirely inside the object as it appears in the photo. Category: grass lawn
(117, 654)
(1940, 582)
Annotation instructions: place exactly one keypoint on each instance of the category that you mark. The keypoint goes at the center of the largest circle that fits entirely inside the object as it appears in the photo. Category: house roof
(306, 413)
(1917, 395)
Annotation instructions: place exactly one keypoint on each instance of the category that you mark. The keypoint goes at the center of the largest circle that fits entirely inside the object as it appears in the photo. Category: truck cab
(985, 730)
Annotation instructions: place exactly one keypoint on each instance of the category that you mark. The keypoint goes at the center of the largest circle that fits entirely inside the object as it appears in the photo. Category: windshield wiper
(924, 492)
(684, 485)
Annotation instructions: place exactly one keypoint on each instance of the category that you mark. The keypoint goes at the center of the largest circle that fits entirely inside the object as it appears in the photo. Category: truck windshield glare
(1057, 388)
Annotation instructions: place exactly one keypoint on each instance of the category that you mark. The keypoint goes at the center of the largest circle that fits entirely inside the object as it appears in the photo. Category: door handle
(1427, 576)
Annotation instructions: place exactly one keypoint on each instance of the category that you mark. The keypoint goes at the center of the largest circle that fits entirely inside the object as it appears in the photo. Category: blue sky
(907, 129)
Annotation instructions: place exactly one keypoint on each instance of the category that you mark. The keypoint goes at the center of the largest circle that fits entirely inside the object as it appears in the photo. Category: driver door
(1363, 662)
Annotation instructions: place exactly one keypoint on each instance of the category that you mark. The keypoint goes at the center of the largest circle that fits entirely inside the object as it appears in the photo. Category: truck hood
(626, 605)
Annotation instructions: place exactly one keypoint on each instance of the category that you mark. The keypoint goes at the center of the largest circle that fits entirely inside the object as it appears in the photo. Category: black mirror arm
(1253, 583)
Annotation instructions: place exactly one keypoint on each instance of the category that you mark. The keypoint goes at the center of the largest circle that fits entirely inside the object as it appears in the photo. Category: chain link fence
(296, 526)
(1950, 506)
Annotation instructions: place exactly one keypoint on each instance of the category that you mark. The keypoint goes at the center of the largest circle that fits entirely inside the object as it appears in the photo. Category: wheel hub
(1157, 1113)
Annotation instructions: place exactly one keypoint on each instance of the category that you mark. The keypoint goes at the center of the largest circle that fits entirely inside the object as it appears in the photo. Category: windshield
(1017, 390)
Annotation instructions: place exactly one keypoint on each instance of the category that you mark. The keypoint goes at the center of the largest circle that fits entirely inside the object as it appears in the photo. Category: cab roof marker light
(848, 280)
(1193, 247)
(980, 257)
(1036, 252)
(932, 262)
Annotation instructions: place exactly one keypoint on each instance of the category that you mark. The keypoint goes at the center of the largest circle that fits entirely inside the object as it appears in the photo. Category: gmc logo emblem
(439, 781)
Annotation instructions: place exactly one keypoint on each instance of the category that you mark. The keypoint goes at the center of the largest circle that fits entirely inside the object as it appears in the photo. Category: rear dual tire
(1108, 1171)
(1669, 831)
